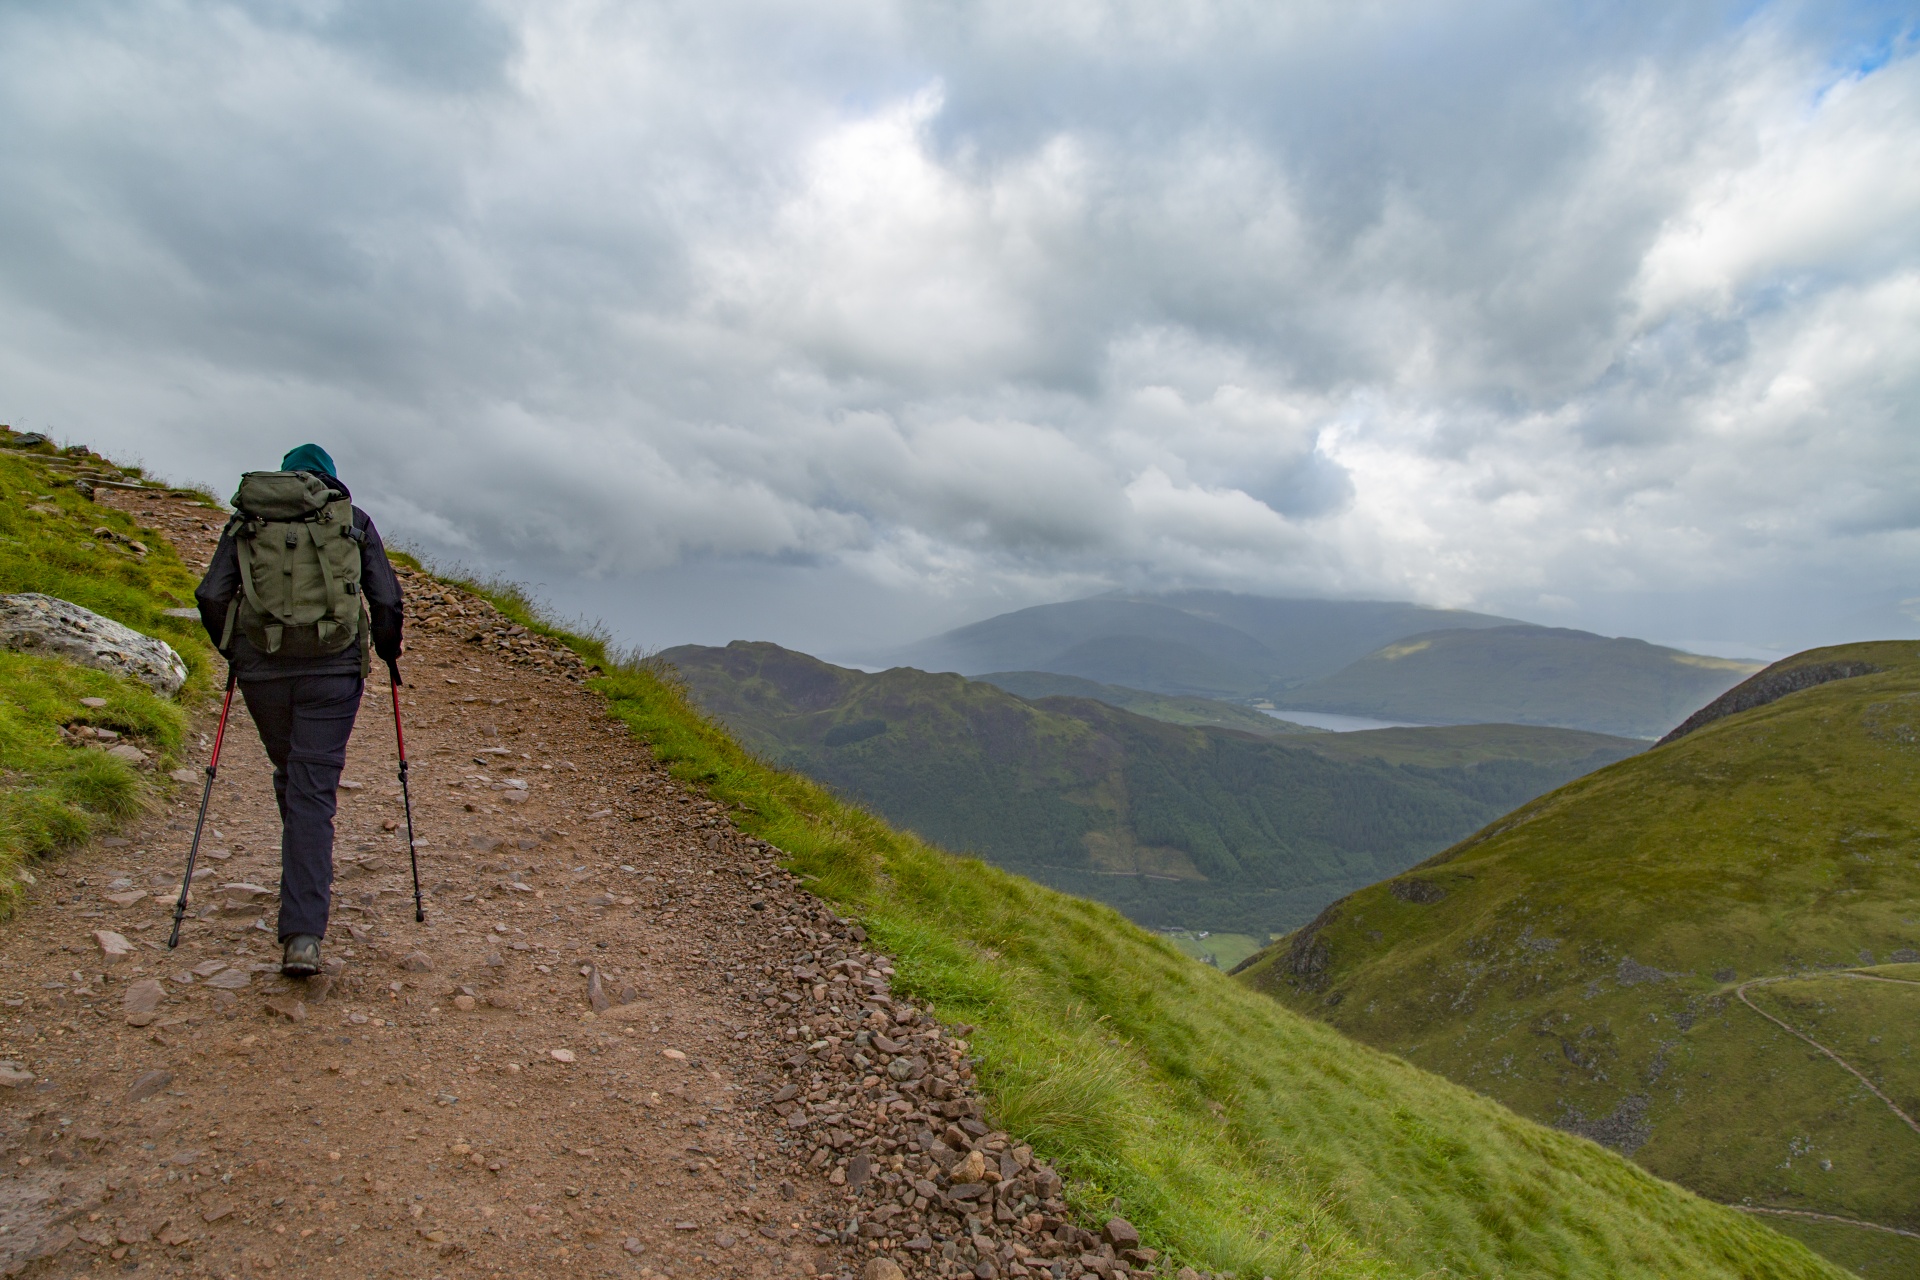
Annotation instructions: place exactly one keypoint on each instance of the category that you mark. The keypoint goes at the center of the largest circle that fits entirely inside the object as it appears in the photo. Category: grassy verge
(1237, 1135)
(54, 793)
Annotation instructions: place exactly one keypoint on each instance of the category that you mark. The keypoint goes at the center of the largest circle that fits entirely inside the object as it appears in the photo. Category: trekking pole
(406, 796)
(206, 794)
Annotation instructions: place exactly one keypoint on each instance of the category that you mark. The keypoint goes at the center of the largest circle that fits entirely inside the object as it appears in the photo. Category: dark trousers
(304, 722)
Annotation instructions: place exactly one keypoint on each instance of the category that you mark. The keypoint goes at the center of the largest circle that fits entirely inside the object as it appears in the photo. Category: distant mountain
(1209, 643)
(1157, 706)
(1174, 825)
(1312, 638)
(1525, 675)
(1706, 956)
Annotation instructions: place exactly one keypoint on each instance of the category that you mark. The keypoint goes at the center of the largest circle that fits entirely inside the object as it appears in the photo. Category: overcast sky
(839, 323)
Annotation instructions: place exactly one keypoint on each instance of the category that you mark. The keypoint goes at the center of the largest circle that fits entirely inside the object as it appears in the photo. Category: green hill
(1524, 675)
(1237, 1135)
(1176, 826)
(1156, 706)
(1660, 954)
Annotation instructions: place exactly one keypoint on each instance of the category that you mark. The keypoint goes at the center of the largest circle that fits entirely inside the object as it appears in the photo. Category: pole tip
(419, 917)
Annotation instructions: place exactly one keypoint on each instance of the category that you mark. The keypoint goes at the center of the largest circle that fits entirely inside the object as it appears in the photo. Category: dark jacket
(377, 582)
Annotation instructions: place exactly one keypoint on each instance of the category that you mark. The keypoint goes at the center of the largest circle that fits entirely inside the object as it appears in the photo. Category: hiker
(297, 589)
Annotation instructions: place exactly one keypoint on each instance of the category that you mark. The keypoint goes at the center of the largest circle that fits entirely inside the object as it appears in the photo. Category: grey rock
(41, 624)
(231, 980)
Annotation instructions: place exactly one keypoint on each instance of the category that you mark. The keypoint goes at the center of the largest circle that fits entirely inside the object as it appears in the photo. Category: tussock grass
(53, 794)
(1237, 1135)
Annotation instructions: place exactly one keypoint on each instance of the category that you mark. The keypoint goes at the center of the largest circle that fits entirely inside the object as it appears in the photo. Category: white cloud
(1003, 302)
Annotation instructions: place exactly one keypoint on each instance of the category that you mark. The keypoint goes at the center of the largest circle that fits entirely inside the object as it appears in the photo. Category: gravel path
(624, 1043)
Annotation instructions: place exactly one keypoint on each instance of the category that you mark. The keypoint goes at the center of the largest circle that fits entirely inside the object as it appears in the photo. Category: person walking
(299, 597)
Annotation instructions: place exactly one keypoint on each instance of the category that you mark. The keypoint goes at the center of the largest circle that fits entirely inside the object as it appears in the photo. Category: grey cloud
(988, 303)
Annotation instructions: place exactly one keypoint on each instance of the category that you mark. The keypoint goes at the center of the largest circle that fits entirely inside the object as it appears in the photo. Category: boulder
(34, 623)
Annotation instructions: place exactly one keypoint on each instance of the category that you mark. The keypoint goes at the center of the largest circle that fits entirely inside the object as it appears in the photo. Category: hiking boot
(302, 957)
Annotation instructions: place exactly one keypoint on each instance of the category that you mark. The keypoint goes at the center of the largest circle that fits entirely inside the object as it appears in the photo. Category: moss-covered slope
(56, 790)
(1602, 958)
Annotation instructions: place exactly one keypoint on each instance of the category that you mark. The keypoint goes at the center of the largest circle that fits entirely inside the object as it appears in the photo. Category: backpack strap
(226, 632)
(327, 623)
(241, 553)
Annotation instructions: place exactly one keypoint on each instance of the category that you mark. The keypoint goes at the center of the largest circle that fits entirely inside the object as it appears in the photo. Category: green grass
(1236, 1134)
(53, 794)
(1874, 1255)
(1584, 962)
(1221, 950)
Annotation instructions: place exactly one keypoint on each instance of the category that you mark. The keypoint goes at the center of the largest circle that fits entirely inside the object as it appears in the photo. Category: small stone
(859, 1169)
(465, 1004)
(1188, 1273)
(1121, 1234)
(319, 988)
(128, 752)
(215, 1211)
(674, 1054)
(126, 899)
(93, 703)
(417, 962)
(290, 1009)
(141, 1001)
(350, 786)
(231, 980)
(114, 947)
(597, 992)
(207, 968)
(882, 1269)
(391, 824)
(633, 1245)
(560, 1055)
(13, 1075)
(971, 1168)
(184, 775)
(148, 1084)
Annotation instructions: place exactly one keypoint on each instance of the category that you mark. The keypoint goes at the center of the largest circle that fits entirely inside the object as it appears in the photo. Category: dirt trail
(1855, 1072)
(623, 1044)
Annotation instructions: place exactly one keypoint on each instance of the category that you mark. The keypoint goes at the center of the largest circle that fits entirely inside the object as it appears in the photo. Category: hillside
(1176, 826)
(1032, 685)
(1237, 1136)
(1525, 675)
(1206, 643)
(1611, 958)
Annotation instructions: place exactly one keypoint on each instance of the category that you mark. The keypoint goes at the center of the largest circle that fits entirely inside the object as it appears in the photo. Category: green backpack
(299, 568)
